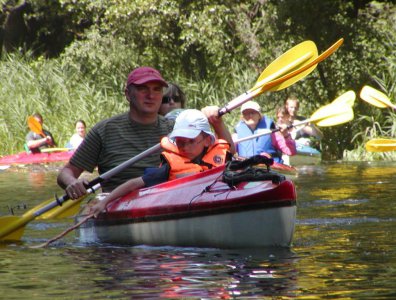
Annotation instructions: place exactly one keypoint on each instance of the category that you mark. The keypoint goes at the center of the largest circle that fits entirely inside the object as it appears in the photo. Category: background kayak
(22, 158)
(306, 155)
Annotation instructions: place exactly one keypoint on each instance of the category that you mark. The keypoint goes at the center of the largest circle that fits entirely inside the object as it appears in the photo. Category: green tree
(215, 49)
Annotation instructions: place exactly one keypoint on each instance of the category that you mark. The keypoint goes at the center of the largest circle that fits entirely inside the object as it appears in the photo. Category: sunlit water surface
(344, 248)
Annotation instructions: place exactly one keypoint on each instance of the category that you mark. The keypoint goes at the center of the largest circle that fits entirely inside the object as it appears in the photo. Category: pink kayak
(23, 158)
(202, 210)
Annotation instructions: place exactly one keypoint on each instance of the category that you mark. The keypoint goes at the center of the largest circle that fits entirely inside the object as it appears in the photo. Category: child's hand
(98, 208)
(212, 113)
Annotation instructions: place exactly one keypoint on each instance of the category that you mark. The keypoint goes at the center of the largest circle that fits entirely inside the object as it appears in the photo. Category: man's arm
(68, 179)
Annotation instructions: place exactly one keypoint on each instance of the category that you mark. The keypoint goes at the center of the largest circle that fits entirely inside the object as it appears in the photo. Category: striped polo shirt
(115, 140)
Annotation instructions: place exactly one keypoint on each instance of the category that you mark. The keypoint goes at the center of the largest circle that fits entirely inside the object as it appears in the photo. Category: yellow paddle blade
(278, 84)
(290, 61)
(331, 115)
(343, 116)
(12, 227)
(14, 235)
(381, 145)
(347, 98)
(35, 126)
(49, 150)
(375, 97)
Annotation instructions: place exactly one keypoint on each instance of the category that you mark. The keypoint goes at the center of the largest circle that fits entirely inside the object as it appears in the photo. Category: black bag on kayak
(247, 170)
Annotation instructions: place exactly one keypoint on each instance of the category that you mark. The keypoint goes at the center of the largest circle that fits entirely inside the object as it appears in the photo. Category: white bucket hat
(189, 124)
(251, 105)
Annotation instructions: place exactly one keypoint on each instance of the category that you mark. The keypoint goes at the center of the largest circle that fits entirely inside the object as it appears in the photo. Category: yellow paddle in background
(381, 145)
(375, 97)
(338, 112)
(11, 227)
(378, 99)
(348, 98)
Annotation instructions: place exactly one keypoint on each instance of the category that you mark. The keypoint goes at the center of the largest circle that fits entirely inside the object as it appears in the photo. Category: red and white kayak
(24, 158)
(200, 211)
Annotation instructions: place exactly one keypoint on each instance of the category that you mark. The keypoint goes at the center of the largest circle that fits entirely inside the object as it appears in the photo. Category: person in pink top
(282, 139)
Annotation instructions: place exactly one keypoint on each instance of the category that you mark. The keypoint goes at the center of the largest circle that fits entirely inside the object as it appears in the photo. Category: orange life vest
(181, 166)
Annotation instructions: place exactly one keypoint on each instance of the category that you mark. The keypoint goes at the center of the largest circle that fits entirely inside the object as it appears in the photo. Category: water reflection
(344, 247)
(167, 272)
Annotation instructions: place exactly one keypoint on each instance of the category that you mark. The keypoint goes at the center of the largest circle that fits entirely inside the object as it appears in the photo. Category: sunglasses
(168, 99)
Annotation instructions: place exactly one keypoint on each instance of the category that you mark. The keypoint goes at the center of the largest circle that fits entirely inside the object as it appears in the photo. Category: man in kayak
(35, 142)
(190, 148)
(115, 140)
(304, 134)
(253, 122)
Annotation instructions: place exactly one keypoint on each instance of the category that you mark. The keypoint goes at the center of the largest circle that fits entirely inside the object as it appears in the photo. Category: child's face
(191, 148)
(282, 119)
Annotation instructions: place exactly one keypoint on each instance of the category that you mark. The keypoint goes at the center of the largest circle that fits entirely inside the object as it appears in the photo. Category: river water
(344, 247)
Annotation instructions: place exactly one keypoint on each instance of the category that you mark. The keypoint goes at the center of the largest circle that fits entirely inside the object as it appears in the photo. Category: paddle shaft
(95, 183)
(269, 132)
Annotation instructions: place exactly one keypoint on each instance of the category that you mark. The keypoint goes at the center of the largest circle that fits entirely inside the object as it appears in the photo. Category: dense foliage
(70, 58)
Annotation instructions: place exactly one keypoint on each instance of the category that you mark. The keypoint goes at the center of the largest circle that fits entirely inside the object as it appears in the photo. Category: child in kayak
(190, 148)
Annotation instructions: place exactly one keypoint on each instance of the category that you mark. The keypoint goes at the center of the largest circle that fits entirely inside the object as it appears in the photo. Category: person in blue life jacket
(35, 142)
(190, 148)
(253, 122)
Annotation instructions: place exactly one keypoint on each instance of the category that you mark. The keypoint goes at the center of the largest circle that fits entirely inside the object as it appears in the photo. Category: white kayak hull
(199, 211)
